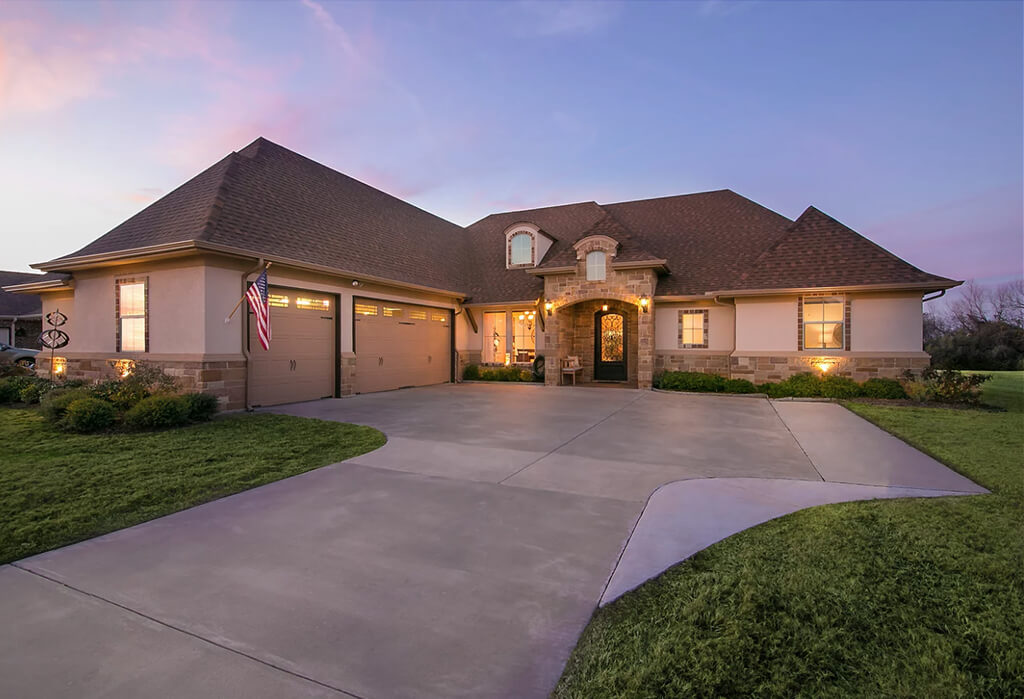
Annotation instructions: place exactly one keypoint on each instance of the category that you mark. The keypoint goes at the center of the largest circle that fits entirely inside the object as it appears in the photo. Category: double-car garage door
(396, 345)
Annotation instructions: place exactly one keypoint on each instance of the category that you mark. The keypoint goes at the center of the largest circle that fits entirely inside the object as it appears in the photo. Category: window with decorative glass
(131, 316)
(493, 329)
(524, 338)
(521, 249)
(823, 322)
(595, 266)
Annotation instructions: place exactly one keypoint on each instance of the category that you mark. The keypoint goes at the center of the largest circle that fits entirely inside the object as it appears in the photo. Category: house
(370, 293)
(20, 314)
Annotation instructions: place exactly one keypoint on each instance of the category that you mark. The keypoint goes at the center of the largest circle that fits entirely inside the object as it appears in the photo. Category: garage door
(300, 363)
(399, 345)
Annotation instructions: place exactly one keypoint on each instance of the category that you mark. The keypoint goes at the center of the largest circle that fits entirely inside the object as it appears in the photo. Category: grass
(1005, 389)
(60, 488)
(921, 597)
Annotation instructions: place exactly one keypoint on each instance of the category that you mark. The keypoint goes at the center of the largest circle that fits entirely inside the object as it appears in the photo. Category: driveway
(461, 559)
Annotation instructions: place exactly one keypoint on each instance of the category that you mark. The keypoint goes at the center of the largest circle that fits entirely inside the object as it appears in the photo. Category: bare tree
(1008, 303)
(972, 308)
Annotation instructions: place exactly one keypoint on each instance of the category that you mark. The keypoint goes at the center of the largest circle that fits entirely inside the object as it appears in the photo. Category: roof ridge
(217, 205)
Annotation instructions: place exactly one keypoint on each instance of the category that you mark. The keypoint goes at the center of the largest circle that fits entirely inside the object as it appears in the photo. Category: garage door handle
(291, 365)
(380, 361)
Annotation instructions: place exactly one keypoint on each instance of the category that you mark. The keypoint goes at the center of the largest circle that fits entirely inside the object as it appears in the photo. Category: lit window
(365, 309)
(417, 315)
(691, 329)
(823, 323)
(494, 338)
(439, 317)
(595, 266)
(392, 312)
(312, 304)
(521, 252)
(131, 316)
(277, 300)
(524, 339)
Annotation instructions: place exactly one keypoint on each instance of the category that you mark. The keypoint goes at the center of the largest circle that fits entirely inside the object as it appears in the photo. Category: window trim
(118, 283)
(692, 312)
(802, 322)
(509, 264)
(602, 267)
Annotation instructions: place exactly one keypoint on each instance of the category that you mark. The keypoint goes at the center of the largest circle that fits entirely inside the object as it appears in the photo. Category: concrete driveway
(461, 559)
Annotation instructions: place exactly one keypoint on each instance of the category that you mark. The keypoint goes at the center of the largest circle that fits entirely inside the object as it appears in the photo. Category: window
(521, 249)
(312, 304)
(132, 306)
(524, 339)
(823, 323)
(595, 266)
(439, 317)
(415, 314)
(494, 338)
(277, 301)
(693, 329)
(366, 309)
(392, 312)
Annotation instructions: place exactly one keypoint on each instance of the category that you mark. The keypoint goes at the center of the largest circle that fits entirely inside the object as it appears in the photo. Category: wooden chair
(571, 366)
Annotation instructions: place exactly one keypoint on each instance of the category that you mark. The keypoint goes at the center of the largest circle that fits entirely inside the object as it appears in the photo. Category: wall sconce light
(124, 367)
(645, 303)
(549, 307)
(508, 358)
(824, 365)
(604, 307)
(60, 366)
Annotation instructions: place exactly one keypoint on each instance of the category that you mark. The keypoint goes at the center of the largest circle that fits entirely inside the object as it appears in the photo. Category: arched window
(595, 266)
(521, 249)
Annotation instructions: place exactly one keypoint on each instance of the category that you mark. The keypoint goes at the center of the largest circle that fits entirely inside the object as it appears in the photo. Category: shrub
(157, 412)
(144, 381)
(471, 373)
(739, 386)
(55, 403)
(951, 386)
(8, 369)
(692, 381)
(840, 387)
(11, 388)
(201, 406)
(883, 388)
(35, 390)
(918, 391)
(88, 415)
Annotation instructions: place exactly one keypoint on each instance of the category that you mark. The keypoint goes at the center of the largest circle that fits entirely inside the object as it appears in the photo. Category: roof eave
(40, 287)
(888, 286)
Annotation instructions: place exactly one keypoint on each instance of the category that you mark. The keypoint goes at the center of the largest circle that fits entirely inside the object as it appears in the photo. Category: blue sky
(903, 120)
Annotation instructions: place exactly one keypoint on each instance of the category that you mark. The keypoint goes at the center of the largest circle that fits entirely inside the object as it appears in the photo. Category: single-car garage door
(300, 362)
(399, 345)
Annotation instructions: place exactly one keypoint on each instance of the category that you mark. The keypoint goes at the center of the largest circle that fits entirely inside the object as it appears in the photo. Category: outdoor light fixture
(124, 367)
(604, 307)
(60, 365)
(824, 365)
(549, 307)
(644, 303)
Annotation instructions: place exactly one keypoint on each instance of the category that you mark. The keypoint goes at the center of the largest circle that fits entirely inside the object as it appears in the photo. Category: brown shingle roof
(270, 201)
(19, 304)
(819, 251)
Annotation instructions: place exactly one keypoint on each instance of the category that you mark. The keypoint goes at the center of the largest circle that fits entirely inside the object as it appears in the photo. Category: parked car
(18, 355)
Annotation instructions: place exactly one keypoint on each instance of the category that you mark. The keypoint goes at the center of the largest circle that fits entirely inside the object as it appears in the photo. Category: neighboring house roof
(269, 201)
(19, 304)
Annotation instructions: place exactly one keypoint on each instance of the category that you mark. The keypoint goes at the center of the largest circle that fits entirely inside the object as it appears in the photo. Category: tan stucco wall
(886, 322)
(766, 324)
(721, 324)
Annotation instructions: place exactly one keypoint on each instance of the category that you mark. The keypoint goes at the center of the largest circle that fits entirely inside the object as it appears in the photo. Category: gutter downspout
(245, 331)
(942, 292)
(732, 305)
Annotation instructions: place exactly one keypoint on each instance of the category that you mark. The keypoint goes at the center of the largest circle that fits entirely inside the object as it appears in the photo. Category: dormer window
(521, 249)
(595, 266)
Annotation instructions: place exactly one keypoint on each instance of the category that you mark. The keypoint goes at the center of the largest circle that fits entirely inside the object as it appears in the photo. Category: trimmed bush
(878, 387)
(471, 373)
(739, 386)
(951, 386)
(692, 381)
(88, 415)
(506, 373)
(840, 387)
(35, 390)
(157, 412)
(11, 388)
(201, 406)
(55, 403)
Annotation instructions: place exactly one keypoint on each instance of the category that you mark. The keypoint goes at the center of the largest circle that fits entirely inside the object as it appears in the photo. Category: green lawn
(60, 488)
(1005, 389)
(919, 597)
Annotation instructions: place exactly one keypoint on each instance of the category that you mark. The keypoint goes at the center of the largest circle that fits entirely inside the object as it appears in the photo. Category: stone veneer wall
(761, 369)
(625, 286)
(465, 358)
(348, 373)
(223, 378)
(579, 335)
(702, 362)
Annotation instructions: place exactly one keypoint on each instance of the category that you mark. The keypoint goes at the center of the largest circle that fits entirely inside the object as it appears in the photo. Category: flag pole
(231, 315)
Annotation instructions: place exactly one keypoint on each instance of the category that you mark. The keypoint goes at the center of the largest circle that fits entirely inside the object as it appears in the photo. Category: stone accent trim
(760, 369)
(702, 362)
(533, 249)
(693, 311)
(347, 372)
(466, 357)
(223, 378)
(118, 281)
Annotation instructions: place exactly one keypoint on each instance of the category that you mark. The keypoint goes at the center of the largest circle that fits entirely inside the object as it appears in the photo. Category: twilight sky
(903, 120)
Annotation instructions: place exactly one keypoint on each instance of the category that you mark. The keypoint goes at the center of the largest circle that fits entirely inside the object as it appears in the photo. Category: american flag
(257, 295)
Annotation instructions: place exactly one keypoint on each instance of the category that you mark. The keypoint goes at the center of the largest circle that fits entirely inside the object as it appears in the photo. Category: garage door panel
(300, 363)
(399, 345)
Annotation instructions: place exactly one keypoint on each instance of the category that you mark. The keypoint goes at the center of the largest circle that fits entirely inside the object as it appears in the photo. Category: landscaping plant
(201, 406)
(157, 412)
(86, 415)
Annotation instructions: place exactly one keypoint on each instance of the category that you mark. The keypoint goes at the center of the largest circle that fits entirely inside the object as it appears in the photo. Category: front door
(609, 346)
